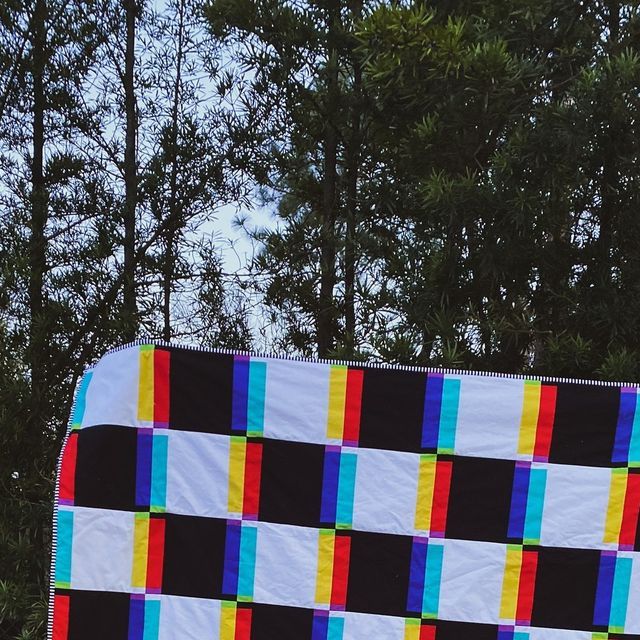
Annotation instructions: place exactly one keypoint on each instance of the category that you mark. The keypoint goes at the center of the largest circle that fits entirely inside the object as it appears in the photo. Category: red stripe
(68, 469)
(161, 386)
(546, 416)
(342, 551)
(155, 559)
(526, 587)
(427, 633)
(252, 473)
(631, 511)
(353, 405)
(243, 624)
(60, 618)
(444, 469)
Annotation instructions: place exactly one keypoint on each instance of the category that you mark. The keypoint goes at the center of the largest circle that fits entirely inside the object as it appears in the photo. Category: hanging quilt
(206, 495)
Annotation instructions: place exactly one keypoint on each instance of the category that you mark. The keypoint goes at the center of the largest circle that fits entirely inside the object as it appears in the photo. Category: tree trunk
(174, 215)
(130, 176)
(39, 213)
(326, 310)
(353, 162)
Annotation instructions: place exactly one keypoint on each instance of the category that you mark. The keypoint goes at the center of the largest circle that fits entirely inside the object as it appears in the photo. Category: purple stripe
(518, 512)
(417, 575)
(240, 399)
(330, 486)
(143, 467)
(136, 617)
(625, 426)
(432, 409)
(231, 559)
(320, 626)
(604, 591)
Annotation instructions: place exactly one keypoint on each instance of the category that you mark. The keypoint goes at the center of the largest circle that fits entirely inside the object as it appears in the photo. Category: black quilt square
(480, 499)
(584, 428)
(392, 409)
(291, 482)
(566, 584)
(201, 391)
(379, 573)
(106, 468)
(98, 615)
(284, 623)
(193, 556)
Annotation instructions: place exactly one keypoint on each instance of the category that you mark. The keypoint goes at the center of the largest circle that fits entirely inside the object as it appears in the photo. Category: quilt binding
(252, 354)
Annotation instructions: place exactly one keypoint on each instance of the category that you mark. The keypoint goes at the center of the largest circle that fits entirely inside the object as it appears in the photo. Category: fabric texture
(207, 495)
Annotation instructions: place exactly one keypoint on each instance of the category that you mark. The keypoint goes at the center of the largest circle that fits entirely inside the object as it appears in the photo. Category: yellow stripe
(227, 621)
(326, 546)
(510, 584)
(337, 401)
(412, 630)
(237, 455)
(145, 385)
(617, 492)
(529, 420)
(140, 550)
(426, 482)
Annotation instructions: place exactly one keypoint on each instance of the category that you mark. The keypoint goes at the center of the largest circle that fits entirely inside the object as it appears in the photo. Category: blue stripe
(625, 425)
(416, 577)
(320, 627)
(449, 414)
(431, 599)
(136, 618)
(518, 512)
(64, 547)
(330, 487)
(143, 467)
(159, 471)
(620, 597)
(431, 416)
(346, 489)
(231, 560)
(604, 590)
(151, 619)
(248, 543)
(535, 505)
(240, 396)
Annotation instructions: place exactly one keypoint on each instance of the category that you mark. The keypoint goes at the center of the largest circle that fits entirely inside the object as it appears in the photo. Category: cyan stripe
(634, 445)
(620, 597)
(257, 391)
(431, 598)
(151, 619)
(248, 542)
(65, 544)
(449, 414)
(535, 504)
(346, 489)
(336, 628)
(159, 472)
(81, 400)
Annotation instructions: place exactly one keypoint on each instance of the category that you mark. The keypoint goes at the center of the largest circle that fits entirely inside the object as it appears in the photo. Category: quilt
(212, 495)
